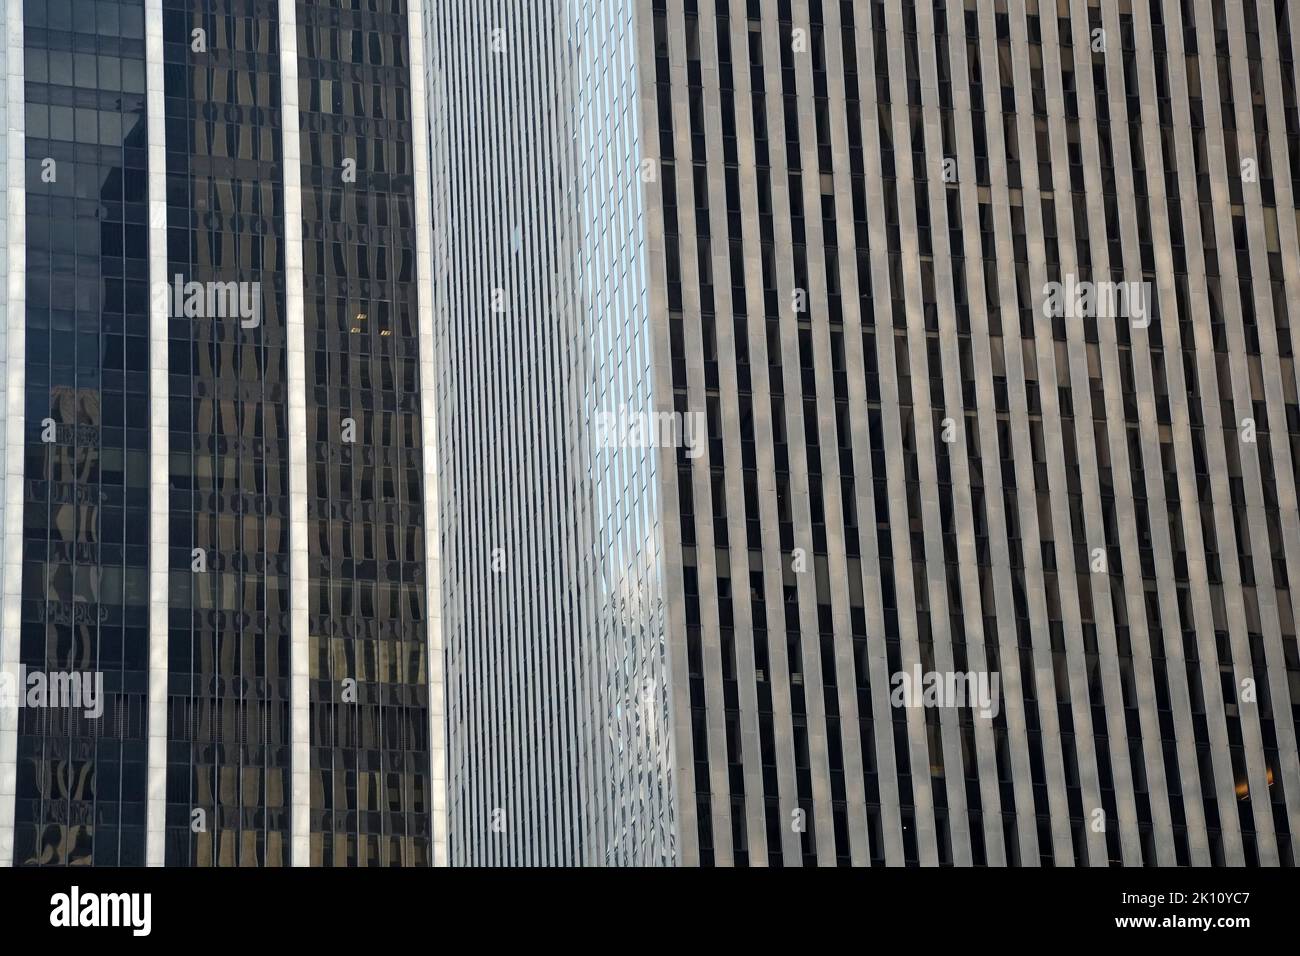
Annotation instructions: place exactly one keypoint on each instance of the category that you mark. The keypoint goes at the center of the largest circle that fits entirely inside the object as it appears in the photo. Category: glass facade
(557, 686)
(228, 758)
(621, 544)
(744, 391)
(81, 779)
(222, 786)
(371, 798)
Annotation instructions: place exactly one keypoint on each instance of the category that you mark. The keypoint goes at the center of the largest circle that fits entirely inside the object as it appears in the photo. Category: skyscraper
(649, 432)
(555, 592)
(215, 471)
(983, 553)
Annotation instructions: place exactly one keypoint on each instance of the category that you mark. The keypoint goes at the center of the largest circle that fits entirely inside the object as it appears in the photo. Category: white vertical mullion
(296, 352)
(428, 432)
(156, 807)
(15, 389)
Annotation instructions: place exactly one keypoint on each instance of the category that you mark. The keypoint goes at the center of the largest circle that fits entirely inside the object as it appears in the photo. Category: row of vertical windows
(1133, 743)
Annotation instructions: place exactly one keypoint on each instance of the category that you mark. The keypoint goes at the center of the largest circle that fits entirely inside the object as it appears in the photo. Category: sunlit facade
(832, 230)
(554, 603)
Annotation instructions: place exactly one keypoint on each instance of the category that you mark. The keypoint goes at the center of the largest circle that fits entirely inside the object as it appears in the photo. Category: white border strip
(159, 446)
(428, 431)
(11, 560)
(295, 347)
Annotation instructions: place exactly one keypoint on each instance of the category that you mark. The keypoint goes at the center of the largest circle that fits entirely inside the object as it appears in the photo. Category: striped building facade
(646, 402)
(1074, 503)
(854, 237)
(554, 595)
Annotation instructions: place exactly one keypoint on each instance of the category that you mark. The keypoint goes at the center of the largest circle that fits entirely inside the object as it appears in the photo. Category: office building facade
(216, 485)
(984, 555)
(557, 676)
(649, 432)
